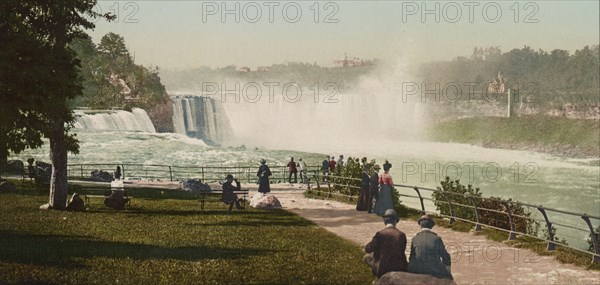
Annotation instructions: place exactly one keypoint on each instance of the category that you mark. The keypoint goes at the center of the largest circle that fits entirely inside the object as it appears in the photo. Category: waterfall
(136, 120)
(201, 117)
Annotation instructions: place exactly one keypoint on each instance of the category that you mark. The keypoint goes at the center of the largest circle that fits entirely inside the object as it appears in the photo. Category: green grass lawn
(165, 238)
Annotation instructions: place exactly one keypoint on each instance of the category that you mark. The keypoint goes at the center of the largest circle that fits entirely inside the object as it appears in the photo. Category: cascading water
(201, 117)
(136, 120)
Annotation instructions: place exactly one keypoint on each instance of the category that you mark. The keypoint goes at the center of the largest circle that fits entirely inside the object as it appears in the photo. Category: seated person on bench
(229, 197)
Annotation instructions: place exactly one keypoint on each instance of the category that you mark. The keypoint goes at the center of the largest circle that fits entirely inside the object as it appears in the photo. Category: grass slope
(169, 241)
(576, 137)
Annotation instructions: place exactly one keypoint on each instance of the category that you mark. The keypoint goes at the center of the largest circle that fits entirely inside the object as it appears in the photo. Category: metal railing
(160, 172)
(402, 190)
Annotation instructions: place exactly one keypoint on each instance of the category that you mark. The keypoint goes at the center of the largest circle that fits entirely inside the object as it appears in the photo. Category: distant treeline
(559, 74)
(305, 74)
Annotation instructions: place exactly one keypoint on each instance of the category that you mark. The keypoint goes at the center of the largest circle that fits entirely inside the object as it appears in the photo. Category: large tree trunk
(58, 181)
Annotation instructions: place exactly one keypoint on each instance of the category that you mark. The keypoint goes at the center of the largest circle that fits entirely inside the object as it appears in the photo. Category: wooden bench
(217, 195)
(28, 173)
(88, 198)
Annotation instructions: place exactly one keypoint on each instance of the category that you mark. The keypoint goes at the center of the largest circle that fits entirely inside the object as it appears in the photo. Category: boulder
(6, 186)
(402, 278)
(261, 201)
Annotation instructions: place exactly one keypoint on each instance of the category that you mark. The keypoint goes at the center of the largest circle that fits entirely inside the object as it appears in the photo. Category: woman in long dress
(363, 197)
(384, 200)
(263, 177)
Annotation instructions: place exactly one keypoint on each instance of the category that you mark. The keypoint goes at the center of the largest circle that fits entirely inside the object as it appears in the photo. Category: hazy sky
(188, 34)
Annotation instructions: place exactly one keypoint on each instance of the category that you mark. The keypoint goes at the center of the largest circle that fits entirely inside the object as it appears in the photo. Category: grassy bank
(556, 135)
(164, 238)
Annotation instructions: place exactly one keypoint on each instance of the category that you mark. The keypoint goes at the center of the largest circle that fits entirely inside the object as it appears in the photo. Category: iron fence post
(594, 238)
(451, 221)
(478, 224)
(551, 244)
(511, 235)
(420, 199)
(170, 173)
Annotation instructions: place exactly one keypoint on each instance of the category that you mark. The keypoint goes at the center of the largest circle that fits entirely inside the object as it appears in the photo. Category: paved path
(475, 260)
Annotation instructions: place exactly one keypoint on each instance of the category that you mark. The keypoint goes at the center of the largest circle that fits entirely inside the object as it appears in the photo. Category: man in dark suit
(373, 187)
(385, 252)
(428, 254)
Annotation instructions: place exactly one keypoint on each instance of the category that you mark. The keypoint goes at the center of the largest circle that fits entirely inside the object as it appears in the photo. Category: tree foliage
(104, 70)
(41, 75)
(562, 77)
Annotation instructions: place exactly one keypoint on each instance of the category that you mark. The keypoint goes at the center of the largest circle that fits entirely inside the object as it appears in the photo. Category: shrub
(495, 216)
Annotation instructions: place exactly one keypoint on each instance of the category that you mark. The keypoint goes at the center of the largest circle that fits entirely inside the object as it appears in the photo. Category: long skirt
(363, 199)
(263, 185)
(384, 201)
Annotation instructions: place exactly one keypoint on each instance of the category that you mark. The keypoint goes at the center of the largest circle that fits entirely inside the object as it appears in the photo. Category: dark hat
(389, 213)
(426, 220)
(390, 217)
(263, 161)
(229, 176)
(377, 166)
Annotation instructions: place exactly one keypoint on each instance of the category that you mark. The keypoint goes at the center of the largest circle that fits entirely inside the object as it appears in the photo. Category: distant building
(496, 85)
(351, 62)
(244, 69)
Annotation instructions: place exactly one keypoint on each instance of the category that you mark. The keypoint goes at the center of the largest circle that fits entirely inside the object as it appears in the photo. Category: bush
(495, 216)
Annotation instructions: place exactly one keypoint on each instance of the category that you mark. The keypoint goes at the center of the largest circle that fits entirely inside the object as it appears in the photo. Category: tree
(41, 77)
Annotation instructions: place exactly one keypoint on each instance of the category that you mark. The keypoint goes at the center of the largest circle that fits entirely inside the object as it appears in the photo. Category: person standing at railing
(293, 170)
(302, 168)
(263, 174)
(373, 187)
(332, 164)
(384, 200)
(340, 162)
(363, 196)
(325, 168)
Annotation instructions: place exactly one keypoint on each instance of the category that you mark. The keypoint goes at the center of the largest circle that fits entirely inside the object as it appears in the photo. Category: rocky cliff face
(161, 116)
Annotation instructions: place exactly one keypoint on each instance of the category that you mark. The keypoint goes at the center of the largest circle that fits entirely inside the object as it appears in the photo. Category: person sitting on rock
(428, 254)
(229, 197)
(385, 252)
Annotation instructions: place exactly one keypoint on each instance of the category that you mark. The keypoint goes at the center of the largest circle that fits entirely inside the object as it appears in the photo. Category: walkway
(475, 260)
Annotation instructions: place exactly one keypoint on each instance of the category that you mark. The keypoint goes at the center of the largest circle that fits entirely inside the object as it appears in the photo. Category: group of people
(329, 164)
(376, 190)
(428, 255)
(294, 168)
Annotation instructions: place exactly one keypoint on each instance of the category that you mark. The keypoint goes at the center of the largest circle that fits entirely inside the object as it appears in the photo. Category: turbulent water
(136, 120)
